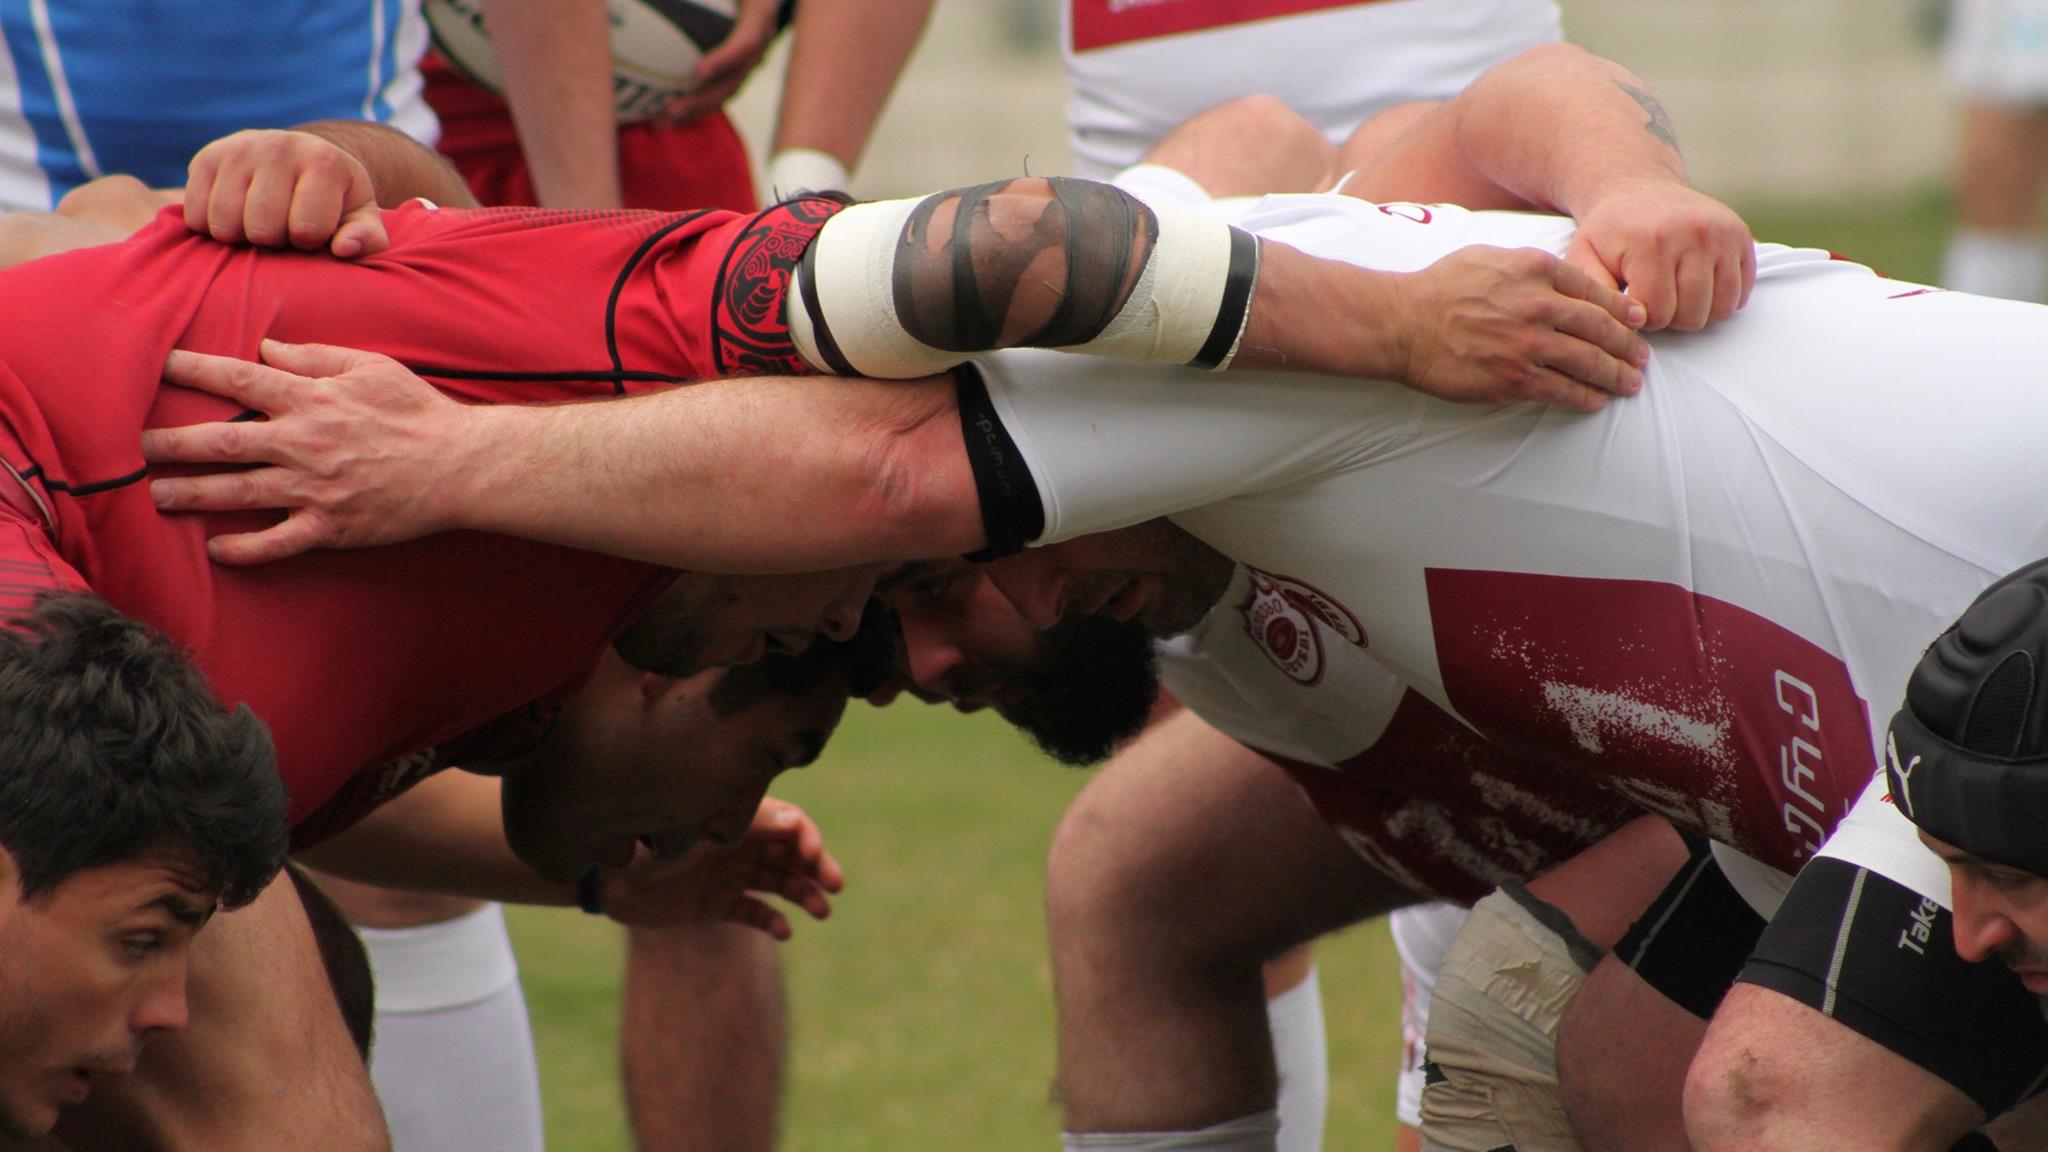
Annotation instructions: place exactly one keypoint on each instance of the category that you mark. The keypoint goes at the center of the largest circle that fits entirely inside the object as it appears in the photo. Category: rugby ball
(655, 46)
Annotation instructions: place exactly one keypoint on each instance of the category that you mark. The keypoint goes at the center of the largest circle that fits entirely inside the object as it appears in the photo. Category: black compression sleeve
(1011, 512)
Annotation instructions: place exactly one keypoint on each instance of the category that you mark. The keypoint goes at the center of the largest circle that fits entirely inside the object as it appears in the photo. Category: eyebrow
(182, 910)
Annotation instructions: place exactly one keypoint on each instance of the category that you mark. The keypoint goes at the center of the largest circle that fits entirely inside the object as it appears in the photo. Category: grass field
(921, 1011)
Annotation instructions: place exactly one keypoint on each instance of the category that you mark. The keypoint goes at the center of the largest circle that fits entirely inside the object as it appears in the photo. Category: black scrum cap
(1967, 758)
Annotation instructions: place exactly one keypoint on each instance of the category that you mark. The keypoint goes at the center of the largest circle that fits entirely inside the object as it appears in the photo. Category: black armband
(1012, 515)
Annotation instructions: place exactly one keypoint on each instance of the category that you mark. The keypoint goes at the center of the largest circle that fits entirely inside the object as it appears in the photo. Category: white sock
(453, 1058)
(2013, 265)
(1254, 1133)
(1301, 1052)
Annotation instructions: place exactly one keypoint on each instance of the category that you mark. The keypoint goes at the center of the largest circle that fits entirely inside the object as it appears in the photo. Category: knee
(1092, 878)
(1264, 120)
(117, 200)
(1109, 878)
(1729, 1098)
(1292, 154)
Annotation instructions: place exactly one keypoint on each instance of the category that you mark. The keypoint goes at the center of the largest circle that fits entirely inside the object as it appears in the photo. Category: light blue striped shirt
(94, 87)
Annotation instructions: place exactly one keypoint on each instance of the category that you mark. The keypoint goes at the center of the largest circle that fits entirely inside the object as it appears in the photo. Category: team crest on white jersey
(1285, 617)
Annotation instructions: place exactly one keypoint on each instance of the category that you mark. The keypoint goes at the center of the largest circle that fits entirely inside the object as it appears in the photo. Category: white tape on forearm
(1171, 312)
(855, 259)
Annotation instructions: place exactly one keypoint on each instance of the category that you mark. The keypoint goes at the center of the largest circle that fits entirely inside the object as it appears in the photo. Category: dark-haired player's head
(132, 805)
(1079, 689)
(710, 621)
(686, 759)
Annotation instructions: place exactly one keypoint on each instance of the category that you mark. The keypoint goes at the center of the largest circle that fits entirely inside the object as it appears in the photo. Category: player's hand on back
(274, 188)
(1499, 326)
(355, 451)
(1686, 256)
(781, 854)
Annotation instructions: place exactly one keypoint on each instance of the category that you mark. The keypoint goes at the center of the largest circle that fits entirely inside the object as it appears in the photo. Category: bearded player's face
(1078, 690)
(1155, 574)
(676, 761)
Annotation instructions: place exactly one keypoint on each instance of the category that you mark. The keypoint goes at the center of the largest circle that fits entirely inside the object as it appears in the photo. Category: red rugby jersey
(365, 662)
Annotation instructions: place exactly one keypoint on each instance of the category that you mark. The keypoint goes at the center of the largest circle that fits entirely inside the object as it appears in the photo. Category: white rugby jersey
(90, 88)
(1709, 595)
(1137, 68)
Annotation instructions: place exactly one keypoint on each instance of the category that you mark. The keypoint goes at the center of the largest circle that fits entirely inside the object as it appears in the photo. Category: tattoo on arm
(1659, 124)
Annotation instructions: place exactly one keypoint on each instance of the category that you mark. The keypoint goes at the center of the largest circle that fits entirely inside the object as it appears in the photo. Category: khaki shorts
(1491, 1061)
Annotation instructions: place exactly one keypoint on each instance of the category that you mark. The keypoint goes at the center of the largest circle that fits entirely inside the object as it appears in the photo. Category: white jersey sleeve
(1111, 444)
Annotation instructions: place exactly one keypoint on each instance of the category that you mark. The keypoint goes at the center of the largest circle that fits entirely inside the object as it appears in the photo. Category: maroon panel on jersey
(1729, 724)
(1438, 807)
(1105, 23)
(362, 659)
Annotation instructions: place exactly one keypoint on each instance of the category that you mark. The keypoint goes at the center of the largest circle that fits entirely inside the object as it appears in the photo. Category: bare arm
(760, 475)
(846, 57)
(1562, 130)
(400, 168)
(445, 836)
(1086, 267)
(557, 61)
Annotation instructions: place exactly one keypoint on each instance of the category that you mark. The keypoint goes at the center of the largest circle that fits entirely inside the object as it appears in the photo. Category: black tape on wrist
(1011, 513)
(1236, 307)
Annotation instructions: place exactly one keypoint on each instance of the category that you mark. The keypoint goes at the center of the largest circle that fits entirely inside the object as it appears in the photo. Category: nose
(1980, 928)
(933, 654)
(1034, 587)
(163, 1008)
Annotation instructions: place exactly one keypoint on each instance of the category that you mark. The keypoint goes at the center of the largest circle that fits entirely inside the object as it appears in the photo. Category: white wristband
(795, 170)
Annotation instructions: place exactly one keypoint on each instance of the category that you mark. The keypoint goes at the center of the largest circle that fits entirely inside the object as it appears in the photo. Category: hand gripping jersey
(1138, 70)
(364, 663)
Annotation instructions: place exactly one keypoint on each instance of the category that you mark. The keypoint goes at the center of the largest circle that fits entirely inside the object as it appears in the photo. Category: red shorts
(668, 167)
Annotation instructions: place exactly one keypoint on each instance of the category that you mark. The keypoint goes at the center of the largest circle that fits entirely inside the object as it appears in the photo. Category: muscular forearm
(753, 476)
(400, 167)
(557, 63)
(445, 836)
(1085, 267)
(843, 63)
(1558, 125)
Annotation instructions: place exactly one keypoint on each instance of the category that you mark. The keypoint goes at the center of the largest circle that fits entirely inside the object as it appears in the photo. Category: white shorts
(1422, 934)
(1138, 70)
(1997, 50)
